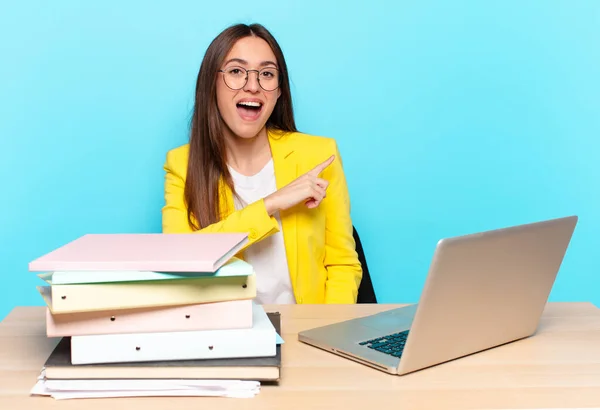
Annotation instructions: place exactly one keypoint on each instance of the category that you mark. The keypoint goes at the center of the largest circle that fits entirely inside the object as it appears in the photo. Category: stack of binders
(156, 306)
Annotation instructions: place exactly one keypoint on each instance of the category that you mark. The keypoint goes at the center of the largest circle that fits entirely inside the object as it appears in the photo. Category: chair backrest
(366, 293)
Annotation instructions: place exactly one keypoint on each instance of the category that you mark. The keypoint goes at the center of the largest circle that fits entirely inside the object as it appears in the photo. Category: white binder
(258, 341)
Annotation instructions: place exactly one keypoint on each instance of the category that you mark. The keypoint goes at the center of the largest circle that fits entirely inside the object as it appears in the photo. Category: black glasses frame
(257, 78)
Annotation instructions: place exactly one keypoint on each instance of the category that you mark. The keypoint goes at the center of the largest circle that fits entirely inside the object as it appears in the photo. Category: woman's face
(246, 108)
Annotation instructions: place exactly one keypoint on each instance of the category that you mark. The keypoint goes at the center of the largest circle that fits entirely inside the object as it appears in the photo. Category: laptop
(483, 290)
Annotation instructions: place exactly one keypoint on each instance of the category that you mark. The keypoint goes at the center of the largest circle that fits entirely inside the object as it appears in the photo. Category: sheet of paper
(41, 390)
(148, 384)
(79, 389)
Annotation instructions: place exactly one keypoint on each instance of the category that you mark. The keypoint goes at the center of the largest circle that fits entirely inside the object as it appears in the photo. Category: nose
(252, 83)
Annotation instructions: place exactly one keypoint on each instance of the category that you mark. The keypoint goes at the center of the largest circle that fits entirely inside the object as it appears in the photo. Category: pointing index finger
(322, 166)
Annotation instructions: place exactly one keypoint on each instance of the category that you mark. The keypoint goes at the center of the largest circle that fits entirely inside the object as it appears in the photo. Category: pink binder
(195, 252)
(235, 314)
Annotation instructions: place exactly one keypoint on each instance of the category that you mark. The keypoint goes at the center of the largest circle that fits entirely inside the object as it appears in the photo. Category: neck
(248, 155)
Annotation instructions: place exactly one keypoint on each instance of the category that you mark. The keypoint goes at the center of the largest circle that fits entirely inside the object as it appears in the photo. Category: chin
(247, 131)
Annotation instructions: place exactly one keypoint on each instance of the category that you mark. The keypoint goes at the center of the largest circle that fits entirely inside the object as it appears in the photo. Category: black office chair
(366, 293)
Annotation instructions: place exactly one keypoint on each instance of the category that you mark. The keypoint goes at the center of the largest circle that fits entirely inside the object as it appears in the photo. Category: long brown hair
(207, 156)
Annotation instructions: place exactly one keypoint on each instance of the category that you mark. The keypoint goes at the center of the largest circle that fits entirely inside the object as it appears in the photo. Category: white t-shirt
(267, 256)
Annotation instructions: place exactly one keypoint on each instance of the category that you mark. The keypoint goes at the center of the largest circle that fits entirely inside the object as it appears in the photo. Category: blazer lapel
(226, 203)
(286, 170)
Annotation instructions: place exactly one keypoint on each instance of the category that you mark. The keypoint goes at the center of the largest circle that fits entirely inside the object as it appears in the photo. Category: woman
(248, 169)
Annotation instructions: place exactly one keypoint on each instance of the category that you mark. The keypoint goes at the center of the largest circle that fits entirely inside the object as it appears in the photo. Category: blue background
(452, 117)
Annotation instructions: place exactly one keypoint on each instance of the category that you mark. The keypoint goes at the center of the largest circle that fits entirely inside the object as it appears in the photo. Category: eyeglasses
(237, 77)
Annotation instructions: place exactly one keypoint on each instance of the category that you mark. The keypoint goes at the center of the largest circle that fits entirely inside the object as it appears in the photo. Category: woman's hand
(308, 188)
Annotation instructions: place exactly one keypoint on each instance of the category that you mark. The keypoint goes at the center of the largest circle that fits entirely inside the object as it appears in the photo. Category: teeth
(250, 103)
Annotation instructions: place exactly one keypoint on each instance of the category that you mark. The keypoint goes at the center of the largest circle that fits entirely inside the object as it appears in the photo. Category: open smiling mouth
(249, 110)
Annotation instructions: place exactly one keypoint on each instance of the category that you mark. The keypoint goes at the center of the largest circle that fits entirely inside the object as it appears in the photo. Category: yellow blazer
(320, 248)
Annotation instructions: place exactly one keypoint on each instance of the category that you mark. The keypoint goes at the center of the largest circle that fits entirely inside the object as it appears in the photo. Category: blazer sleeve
(344, 271)
(253, 219)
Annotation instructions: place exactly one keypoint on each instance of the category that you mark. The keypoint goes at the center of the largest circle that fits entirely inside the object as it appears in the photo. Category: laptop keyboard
(391, 344)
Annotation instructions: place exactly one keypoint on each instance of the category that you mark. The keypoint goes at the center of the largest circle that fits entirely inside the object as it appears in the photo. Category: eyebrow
(244, 62)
